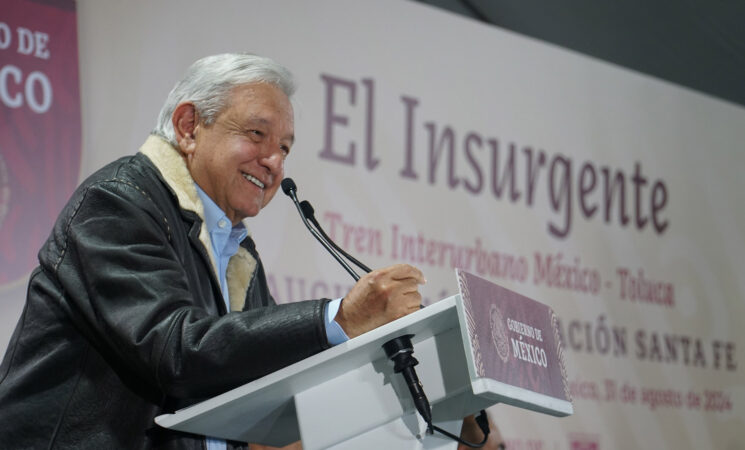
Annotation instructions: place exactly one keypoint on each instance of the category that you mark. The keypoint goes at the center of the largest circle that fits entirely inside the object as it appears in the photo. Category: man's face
(238, 160)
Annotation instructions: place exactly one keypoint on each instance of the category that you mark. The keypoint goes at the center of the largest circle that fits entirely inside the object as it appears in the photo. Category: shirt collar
(216, 220)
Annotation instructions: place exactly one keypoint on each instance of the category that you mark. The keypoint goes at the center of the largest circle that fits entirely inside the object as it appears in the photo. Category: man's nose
(272, 158)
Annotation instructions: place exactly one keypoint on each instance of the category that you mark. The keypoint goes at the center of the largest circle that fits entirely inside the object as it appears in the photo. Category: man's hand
(471, 432)
(379, 297)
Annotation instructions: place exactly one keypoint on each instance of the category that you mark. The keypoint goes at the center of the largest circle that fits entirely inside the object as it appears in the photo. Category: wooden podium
(348, 397)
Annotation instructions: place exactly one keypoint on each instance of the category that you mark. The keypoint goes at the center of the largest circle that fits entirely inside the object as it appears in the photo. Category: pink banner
(39, 126)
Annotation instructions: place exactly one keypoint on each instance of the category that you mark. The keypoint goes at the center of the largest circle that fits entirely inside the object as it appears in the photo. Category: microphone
(290, 189)
(399, 350)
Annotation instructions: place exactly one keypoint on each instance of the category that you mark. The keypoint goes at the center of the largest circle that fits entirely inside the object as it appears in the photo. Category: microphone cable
(483, 422)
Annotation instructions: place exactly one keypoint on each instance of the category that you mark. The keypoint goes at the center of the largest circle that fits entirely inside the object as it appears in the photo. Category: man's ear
(185, 122)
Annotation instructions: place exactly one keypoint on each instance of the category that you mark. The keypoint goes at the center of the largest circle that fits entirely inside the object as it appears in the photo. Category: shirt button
(222, 223)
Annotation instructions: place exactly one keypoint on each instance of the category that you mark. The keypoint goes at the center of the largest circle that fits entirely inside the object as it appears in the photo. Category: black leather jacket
(124, 319)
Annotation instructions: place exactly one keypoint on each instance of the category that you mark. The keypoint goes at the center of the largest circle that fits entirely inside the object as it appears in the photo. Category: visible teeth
(253, 180)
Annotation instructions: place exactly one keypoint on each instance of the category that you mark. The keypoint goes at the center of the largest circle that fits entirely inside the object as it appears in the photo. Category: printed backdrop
(40, 131)
(426, 138)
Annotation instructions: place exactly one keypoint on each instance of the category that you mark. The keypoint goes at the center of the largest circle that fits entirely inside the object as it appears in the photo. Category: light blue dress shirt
(225, 240)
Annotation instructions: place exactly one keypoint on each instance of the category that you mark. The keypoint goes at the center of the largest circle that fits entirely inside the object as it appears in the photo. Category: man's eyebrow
(259, 121)
(266, 122)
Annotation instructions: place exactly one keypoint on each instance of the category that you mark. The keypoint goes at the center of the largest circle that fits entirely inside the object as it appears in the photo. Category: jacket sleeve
(127, 291)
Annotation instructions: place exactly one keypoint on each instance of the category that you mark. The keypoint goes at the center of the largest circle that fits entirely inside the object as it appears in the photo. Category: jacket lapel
(172, 167)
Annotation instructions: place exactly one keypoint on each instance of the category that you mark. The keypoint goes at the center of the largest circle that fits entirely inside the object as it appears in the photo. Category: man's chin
(250, 212)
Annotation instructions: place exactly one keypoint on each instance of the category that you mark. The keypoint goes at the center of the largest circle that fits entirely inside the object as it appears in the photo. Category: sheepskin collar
(170, 162)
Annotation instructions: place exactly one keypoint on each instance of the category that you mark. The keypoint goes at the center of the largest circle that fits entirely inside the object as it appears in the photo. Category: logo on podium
(499, 332)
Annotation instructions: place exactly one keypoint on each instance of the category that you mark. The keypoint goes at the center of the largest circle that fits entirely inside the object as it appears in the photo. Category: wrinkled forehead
(261, 104)
(259, 94)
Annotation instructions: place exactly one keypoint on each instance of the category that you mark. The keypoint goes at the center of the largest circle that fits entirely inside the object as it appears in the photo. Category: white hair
(208, 82)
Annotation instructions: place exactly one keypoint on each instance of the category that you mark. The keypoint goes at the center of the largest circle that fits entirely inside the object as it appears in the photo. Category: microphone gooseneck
(309, 214)
(290, 189)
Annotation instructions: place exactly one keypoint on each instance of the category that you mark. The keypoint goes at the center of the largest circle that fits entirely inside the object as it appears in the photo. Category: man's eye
(256, 132)
(285, 149)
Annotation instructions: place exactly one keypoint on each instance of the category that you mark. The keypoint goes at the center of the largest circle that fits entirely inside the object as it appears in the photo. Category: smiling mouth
(253, 180)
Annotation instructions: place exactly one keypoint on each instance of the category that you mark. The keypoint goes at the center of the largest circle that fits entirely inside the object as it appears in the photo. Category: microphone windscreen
(288, 186)
(307, 209)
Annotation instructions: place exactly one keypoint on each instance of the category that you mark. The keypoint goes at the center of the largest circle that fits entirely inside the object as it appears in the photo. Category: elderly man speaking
(150, 295)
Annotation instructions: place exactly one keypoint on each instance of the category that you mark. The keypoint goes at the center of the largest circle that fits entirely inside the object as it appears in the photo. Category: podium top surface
(270, 392)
